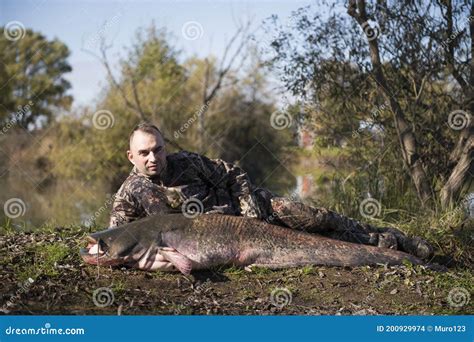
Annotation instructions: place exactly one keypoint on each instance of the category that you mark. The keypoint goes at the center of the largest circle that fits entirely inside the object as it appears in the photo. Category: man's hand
(163, 264)
(155, 262)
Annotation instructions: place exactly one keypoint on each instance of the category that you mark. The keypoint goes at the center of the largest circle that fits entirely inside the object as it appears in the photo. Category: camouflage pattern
(224, 188)
(325, 222)
(220, 186)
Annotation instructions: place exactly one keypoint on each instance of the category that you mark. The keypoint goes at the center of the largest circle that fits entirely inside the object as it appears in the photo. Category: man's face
(147, 153)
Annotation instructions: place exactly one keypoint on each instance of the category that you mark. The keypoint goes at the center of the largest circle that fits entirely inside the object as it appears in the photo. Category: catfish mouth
(96, 253)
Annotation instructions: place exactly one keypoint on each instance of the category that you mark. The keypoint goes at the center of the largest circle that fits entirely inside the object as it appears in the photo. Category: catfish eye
(103, 246)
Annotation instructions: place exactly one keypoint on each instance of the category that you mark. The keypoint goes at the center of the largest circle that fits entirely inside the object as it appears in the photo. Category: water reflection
(67, 202)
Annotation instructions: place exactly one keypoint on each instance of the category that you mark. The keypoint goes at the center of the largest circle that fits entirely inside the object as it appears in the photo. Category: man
(161, 182)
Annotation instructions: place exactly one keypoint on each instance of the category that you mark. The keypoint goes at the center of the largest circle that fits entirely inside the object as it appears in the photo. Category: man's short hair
(145, 127)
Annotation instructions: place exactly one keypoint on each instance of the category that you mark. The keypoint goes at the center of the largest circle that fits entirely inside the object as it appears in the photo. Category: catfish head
(117, 246)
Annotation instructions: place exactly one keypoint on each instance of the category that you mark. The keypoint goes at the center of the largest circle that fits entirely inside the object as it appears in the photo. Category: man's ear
(130, 157)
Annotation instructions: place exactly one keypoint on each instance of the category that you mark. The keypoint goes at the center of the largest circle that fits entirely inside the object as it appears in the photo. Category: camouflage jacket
(217, 186)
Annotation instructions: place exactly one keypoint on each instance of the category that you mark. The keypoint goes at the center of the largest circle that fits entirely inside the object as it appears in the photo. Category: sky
(198, 28)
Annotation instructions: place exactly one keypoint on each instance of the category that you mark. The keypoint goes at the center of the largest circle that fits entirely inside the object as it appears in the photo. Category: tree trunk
(405, 134)
(462, 157)
(463, 171)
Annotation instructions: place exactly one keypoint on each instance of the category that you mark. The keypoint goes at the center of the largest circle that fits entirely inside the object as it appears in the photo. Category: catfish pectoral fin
(180, 261)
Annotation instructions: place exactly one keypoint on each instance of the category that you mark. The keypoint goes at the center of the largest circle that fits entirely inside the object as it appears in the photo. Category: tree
(152, 58)
(32, 83)
(399, 66)
(153, 84)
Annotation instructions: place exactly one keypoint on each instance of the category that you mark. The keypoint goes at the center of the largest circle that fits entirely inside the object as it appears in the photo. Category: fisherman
(186, 181)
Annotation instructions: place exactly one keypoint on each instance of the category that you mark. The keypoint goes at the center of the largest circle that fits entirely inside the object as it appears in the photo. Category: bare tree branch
(408, 143)
(136, 106)
(105, 62)
(449, 49)
(210, 91)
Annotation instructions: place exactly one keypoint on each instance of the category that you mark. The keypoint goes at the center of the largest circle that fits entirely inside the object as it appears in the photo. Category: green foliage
(244, 135)
(31, 74)
(325, 61)
(81, 158)
(170, 95)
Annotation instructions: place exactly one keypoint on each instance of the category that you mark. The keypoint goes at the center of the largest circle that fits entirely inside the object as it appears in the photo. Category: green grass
(306, 270)
(45, 261)
(118, 287)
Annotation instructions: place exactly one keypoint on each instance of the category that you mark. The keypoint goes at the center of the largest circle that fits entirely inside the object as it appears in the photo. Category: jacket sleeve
(124, 209)
(236, 181)
(136, 199)
(151, 197)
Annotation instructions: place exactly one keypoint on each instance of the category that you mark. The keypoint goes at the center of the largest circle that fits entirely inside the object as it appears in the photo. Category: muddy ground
(42, 274)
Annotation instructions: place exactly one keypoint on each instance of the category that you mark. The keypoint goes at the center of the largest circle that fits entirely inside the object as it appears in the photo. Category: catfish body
(213, 240)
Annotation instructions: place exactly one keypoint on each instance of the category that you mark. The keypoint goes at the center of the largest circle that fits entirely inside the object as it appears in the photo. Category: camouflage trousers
(296, 215)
